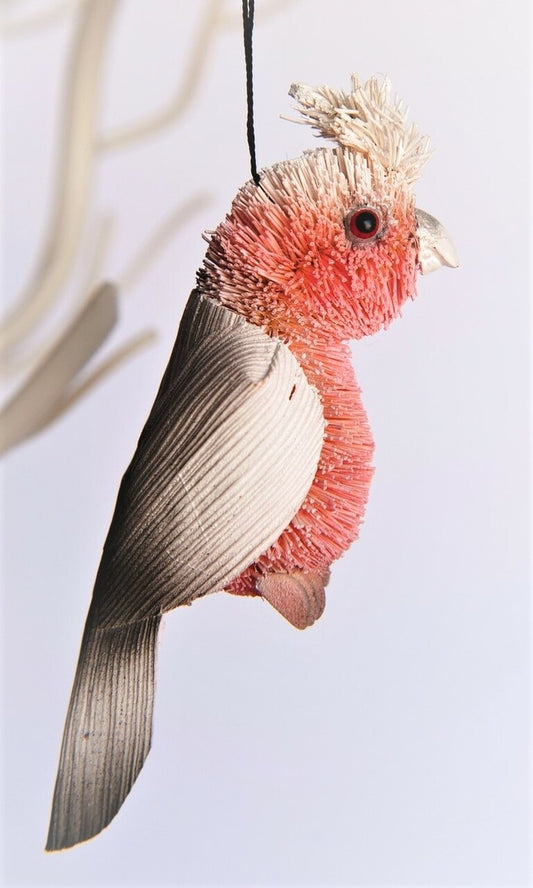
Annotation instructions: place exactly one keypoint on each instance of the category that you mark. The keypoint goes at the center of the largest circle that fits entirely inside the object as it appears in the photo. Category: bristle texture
(224, 462)
(367, 120)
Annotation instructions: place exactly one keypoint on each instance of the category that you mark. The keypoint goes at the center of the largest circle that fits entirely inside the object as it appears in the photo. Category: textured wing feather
(225, 460)
(108, 729)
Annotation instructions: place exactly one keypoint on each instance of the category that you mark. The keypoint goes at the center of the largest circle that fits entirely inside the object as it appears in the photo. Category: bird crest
(368, 120)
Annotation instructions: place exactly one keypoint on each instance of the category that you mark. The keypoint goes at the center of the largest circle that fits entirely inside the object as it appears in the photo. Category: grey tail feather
(108, 729)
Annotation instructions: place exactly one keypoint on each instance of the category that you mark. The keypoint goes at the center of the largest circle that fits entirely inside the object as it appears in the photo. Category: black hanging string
(248, 27)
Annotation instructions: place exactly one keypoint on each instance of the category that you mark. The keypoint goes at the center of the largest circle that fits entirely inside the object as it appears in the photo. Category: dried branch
(184, 94)
(20, 362)
(53, 384)
(73, 175)
(16, 27)
(186, 89)
(30, 408)
(156, 242)
(51, 388)
(98, 251)
(118, 357)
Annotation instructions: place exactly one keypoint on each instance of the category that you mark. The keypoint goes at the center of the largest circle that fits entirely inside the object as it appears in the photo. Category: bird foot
(298, 596)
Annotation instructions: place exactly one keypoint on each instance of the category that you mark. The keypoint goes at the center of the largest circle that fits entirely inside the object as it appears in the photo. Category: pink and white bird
(252, 473)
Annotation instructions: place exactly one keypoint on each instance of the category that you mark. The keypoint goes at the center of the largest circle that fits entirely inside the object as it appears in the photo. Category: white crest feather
(367, 120)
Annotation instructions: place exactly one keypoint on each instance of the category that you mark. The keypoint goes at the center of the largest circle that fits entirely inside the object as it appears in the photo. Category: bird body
(253, 470)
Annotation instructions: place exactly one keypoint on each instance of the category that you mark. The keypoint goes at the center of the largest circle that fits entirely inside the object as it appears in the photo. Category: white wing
(225, 460)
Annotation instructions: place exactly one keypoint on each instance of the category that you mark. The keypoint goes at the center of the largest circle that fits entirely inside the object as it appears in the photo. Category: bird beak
(435, 247)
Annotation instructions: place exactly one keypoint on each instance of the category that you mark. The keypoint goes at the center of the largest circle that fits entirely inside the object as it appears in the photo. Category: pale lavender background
(388, 745)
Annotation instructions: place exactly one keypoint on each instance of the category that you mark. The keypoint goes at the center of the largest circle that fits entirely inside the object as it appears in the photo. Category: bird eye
(363, 224)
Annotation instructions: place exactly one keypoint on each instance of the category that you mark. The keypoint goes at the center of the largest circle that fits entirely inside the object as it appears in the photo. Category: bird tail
(108, 729)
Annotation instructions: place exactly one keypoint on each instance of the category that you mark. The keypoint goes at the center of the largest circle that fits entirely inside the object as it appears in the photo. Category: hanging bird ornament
(252, 473)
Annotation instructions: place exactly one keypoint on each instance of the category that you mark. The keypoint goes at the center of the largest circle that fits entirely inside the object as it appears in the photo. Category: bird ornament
(252, 473)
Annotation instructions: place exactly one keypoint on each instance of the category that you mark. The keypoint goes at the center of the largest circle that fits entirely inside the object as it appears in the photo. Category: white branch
(31, 406)
(118, 357)
(155, 243)
(149, 125)
(73, 174)
(16, 27)
(184, 93)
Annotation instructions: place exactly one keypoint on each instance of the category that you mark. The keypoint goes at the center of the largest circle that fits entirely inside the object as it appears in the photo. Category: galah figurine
(252, 472)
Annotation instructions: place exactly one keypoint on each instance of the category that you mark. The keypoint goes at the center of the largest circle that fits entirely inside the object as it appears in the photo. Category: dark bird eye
(363, 224)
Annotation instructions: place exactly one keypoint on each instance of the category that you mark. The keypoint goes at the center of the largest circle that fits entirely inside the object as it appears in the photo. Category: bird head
(331, 242)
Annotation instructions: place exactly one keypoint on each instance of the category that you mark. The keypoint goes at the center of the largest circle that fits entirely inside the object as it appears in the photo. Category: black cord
(248, 27)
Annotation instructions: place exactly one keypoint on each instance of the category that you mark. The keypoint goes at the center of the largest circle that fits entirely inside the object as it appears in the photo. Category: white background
(388, 744)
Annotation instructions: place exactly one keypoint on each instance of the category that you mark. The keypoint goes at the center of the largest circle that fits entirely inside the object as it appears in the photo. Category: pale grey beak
(435, 246)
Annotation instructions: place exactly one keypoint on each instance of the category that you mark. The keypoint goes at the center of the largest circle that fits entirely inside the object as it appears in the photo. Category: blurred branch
(73, 174)
(30, 408)
(213, 19)
(53, 383)
(118, 357)
(98, 251)
(50, 389)
(17, 26)
(128, 278)
(184, 93)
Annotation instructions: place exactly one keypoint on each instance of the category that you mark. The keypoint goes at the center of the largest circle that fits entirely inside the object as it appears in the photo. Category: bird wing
(224, 462)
